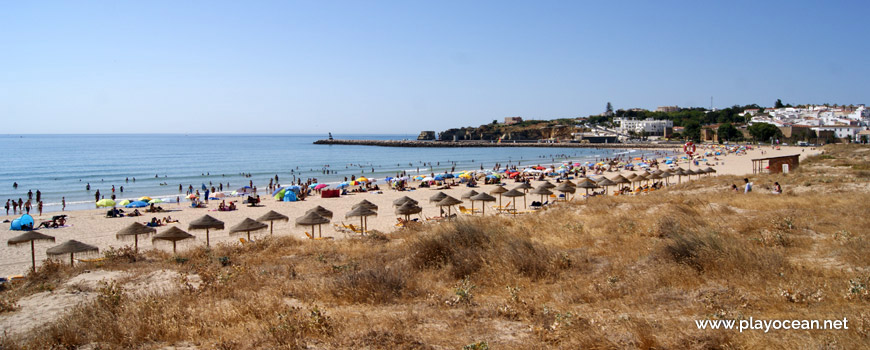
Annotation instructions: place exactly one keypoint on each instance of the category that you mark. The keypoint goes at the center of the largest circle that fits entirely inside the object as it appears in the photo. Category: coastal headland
(474, 143)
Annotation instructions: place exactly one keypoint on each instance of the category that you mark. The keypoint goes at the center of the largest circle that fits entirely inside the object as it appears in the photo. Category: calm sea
(62, 165)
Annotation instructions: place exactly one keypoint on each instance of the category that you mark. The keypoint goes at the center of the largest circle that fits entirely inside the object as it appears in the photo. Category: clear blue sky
(406, 66)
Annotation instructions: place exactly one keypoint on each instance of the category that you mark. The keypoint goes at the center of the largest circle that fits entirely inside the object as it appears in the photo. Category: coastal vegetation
(613, 272)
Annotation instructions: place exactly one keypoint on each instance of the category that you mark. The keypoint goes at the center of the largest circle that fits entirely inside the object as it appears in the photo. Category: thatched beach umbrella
(312, 219)
(71, 247)
(499, 190)
(206, 222)
(565, 189)
(515, 193)
(404, 199)
(363, 213)
(525, 187)
(481, 197)
(547, 184)
(587, 184)
(271, 217)
(30, 237)
(173, 234)
(247, 226)
(620, 180)
(710, 170)
(135, 229)
(365, 204)
(665, 175)
(468, 195)
(320, 211)
(569, 183)
(680, 173)
(435, 198)
(689, 173)
(448, 202)
(407, 209)
(605, 182)
(542, 191)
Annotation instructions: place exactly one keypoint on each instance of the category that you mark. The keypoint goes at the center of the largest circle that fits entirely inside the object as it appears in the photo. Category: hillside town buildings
(845, 122)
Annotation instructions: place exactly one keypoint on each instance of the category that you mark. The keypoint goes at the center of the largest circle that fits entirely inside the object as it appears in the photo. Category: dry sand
(92, 227)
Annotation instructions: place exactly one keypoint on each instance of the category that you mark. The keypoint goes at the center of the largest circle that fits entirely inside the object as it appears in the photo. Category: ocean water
(61, 165)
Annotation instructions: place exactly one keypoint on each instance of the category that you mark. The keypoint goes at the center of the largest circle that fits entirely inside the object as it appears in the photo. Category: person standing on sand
(7, 207)
(63, 204)
(14, 208)
(39, 207)
(27, 206)
(748, 187)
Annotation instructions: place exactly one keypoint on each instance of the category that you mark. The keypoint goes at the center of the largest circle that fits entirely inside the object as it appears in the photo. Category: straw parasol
(71, 247)
(710, 170)
(271, 217)
(366, 204)
(30, 237)
(680, 173)
(566, 189)
(407, 209)
(312, 219)
(547, 184)
(515, 193)
(173, 234)
(321, 211)
(468, 195)
(135, 229)
(525, 187)
(437, 197)
(499, 190)
(403, 200)
(665, 175)
(363, 213)
(587, 184)
(569, 183)
(482, 197)
(542, 191)
(605, 182)
(206, 222)
(448, 202)
(247, 226)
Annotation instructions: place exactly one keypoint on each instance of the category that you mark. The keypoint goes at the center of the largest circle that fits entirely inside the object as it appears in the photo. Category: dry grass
(623, 272)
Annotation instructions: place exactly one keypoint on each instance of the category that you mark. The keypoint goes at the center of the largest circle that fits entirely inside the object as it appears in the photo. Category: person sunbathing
(168, 220)
(231, 207)
(153, 223)
(135, 213)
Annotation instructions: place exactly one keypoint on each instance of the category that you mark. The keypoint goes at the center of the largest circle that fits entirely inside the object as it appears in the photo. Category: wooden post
(33, 255)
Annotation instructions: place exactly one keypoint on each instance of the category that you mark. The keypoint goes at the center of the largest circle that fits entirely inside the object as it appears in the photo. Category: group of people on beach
(24, 207)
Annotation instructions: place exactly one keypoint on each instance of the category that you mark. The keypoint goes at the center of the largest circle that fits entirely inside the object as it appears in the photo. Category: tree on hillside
(778, 104)
(763, 131)
(728, 132)
(609, 109)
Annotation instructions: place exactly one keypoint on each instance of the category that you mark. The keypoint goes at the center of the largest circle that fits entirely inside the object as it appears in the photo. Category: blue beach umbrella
(137, 204)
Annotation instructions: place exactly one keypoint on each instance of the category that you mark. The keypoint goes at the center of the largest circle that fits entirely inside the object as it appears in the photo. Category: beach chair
(464, 210)
(496, 207)
(316, 238)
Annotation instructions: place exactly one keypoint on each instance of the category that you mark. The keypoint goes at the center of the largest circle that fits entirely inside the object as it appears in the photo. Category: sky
(400, 67)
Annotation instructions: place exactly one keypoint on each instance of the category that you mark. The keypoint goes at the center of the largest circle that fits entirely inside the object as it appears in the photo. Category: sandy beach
(92, 227)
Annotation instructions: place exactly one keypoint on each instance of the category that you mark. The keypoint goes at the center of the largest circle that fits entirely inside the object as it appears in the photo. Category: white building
(651, 126)
(841, 131)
